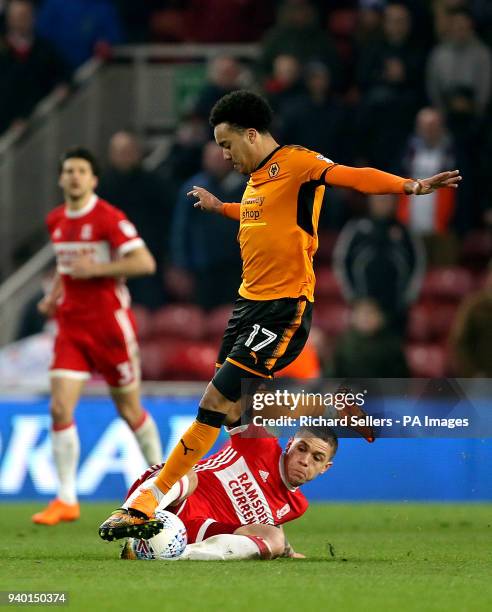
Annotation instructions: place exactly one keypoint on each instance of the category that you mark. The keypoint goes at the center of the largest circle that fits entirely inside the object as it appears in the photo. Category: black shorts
(261, 338)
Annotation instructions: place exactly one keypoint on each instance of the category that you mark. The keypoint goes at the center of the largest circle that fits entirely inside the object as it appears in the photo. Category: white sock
(224, 547)
(148, 439)
(176, 492)
(66, 451)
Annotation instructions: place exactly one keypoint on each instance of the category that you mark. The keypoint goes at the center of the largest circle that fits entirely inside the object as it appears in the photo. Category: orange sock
(194, 444)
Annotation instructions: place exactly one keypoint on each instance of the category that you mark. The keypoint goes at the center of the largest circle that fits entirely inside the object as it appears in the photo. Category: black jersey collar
(267, 158)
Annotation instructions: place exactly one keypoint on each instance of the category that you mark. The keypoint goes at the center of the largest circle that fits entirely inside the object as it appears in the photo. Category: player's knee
(61, 411)
(234, 414)
(129, 411)
(192, 482)
(214, 400)
(273, 537)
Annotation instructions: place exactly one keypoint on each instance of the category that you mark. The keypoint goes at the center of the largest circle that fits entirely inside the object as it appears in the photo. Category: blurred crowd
(402, 86)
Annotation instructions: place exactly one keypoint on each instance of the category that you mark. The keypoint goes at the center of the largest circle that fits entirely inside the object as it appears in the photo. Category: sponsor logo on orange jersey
(254, 201)
(273, 170)
(250, 215)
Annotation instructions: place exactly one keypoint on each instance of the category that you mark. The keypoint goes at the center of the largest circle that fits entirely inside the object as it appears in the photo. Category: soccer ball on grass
(167, 544)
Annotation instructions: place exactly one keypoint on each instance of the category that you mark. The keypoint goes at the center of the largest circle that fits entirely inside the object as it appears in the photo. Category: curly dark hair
(242, 109)
(80, 153)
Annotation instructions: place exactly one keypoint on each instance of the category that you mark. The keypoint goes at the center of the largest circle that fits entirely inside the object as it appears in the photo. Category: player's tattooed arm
(290, 552)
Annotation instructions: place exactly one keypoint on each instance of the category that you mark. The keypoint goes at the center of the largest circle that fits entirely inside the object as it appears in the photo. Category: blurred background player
(369, 348)
(143, 196)
(205, 254)
(96, 249)
(233, 502)
(379, 257)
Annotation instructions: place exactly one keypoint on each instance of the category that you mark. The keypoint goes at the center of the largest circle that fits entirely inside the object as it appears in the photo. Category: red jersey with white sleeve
(244, 483)
(96, 328)
(103, 232)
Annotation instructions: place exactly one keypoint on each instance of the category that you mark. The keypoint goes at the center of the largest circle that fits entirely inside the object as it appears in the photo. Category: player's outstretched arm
(372, 181)
(138, 262)
(208, 202)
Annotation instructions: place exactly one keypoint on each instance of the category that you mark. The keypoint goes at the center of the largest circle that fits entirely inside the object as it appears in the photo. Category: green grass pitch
(360, 557)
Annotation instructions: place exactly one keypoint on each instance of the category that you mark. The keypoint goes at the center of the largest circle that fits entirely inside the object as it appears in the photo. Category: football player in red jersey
(234, 502)
(96, 248)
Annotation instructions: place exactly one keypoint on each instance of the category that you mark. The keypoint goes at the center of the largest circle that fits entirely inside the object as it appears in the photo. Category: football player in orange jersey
(278, 219)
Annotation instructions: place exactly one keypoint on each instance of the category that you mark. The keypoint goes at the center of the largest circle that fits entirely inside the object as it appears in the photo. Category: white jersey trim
(281, 468)
(181, 508)
(233, 431)
(73, 374)
(223, 457)
(131, 245)
(81, 212)
(203, 529)
(125, 325)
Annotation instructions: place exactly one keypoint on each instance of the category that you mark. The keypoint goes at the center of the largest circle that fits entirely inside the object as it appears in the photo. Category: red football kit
(96, 328)
(242, 484)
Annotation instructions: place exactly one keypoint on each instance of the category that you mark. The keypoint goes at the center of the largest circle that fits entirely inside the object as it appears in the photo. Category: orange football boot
(137, 520)
(57, 512)
(145, 503)
(123, 523)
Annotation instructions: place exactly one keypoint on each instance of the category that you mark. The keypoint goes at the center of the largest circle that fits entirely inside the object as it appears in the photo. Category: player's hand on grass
(425, 186)
(296, 555)
(206, 200)
(290, 552)
(83, 266)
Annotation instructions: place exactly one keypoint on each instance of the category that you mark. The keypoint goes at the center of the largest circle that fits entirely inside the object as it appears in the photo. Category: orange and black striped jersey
(279, 215)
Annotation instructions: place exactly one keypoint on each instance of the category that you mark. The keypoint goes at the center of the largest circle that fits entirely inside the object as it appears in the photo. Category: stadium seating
(331, 318)
(327, 286)
(482, 278)
(451, 283)
(180, 341)
(155, 356)
(326, 244)
(168, 359)
(178, 321)
(216, 321)
(477, 249)
(193, 361)
(143, 320)
(430, 321)
(426, 360)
